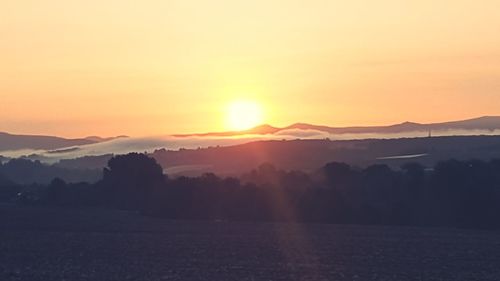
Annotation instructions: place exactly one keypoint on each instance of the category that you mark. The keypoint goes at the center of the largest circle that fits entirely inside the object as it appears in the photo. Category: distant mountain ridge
(481, 123)
(16, 142)
(476, 126)
(101, 139)
(259, 130)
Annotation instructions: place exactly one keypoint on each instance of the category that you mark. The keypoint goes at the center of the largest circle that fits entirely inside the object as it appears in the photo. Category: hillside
(15, 142)
(308, 155)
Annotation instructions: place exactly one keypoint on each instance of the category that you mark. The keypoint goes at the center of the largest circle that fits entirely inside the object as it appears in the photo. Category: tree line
(453, 194)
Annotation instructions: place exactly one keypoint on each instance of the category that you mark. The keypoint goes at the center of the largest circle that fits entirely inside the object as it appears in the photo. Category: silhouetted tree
(454, 193)
(131, 180)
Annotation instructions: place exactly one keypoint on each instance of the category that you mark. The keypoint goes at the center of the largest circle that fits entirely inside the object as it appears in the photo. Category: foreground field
(86, 244)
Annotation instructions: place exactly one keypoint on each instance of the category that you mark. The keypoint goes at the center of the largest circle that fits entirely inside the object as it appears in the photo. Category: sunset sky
(78, 68)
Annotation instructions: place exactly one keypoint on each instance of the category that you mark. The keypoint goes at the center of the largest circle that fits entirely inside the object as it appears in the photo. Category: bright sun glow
(243, 115)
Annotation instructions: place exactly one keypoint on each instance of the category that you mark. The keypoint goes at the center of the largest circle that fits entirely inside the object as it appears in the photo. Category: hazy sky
(77, 68)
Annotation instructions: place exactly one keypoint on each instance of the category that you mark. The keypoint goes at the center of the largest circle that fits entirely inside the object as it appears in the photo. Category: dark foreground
(86, 244)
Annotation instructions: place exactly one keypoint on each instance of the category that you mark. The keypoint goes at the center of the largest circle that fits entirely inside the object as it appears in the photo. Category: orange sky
(77, 68)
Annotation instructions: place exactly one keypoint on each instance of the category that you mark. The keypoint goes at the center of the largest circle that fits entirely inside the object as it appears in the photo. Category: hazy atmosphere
(256, 140)
(78, 68)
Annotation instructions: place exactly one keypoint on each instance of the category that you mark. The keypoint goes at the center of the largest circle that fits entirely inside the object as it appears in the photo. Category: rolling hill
(16, 142)
(476, 124)
(308, 155)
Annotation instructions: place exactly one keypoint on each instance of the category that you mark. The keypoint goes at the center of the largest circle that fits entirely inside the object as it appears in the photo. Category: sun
(244, 115)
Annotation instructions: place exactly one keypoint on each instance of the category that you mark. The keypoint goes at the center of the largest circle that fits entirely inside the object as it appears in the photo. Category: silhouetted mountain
(481, 123)
(259, 130)
(101, 139)
(397, 128)
(14, 142)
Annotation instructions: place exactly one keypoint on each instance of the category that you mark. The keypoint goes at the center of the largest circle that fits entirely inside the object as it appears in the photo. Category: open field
(88, 244)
